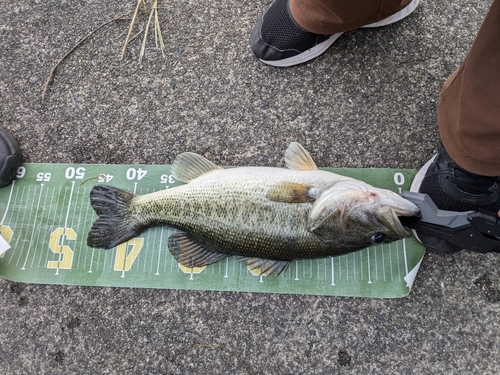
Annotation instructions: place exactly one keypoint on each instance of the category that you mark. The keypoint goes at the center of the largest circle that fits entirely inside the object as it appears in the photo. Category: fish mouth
(398, 211)
(409, 220)
(404, 219)
(398, 225)
(395, 220)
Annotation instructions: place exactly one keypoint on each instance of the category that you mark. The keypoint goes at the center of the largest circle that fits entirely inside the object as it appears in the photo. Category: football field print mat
(45, 216)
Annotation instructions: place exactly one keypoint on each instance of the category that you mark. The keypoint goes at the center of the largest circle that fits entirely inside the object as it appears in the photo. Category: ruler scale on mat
(45, 216)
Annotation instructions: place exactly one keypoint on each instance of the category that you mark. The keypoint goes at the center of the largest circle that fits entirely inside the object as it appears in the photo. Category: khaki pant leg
(469, 104)
(334, 16)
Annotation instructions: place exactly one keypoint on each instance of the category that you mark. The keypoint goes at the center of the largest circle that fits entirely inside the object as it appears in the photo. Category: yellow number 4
(123, 262)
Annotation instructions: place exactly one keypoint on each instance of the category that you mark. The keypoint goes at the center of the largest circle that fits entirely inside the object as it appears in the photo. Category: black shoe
(277, 40)
(10, 157)
(454, 189)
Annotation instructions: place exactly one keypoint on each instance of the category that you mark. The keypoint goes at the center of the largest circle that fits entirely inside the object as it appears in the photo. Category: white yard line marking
(65, 227)
(52, 204)
(34, 226)
(91, 261)
(4, 216)
(383, 262)
(38, 233)
(369, 265)
(84, 242)
(390, 261)
(406, 260)
(333, 271)
(8, 202)
(397, 261)
(15, 246)
(159, 252)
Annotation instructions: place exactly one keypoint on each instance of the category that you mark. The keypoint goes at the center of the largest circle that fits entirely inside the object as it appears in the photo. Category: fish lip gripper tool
(470, 230)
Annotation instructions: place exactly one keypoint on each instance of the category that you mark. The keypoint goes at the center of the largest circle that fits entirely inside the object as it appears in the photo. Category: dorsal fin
(190, 253)
(297, 158)
(188, 165)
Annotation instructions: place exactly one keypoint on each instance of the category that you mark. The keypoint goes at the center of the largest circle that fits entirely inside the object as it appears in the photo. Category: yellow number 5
(55, 244)
(6, 233)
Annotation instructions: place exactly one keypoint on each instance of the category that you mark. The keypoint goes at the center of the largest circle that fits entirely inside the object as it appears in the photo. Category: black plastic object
(449, 231)
(10, 157)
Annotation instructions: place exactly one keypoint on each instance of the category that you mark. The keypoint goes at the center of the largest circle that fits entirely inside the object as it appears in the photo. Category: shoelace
(472, 183)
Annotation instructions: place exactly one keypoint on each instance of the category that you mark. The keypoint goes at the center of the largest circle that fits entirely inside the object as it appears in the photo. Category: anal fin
(190, 253)
(265, 267)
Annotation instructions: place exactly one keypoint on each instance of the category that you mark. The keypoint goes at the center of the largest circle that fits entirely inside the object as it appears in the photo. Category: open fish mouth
(388, 218)
(393, 209)
(404, 218)
(398, 225)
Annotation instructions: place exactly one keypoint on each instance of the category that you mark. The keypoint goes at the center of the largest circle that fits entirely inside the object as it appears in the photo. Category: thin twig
(135, 36)
(132, 23)
(143, 47)
(50, 78)
(158, 31)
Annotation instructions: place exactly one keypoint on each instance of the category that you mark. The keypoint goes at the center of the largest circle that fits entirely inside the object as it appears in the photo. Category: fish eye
(378, 238)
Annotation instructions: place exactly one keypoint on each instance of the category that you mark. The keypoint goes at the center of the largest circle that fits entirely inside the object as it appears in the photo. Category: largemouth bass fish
(267, 216)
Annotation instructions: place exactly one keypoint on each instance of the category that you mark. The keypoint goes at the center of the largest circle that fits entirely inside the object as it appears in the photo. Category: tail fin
(115, 224)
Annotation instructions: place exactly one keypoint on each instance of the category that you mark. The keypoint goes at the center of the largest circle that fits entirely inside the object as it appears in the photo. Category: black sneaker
(454, 189)
(277, 40)
(10, 157)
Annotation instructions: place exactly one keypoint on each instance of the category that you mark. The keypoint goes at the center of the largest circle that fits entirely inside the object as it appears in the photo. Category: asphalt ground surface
(369, 101)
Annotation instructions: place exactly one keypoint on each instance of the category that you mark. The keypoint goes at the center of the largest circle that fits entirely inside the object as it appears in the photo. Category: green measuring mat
(46, 215)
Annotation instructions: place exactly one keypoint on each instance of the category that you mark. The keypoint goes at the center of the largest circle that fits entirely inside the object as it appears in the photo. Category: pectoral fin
(188, 165)
(190, 253)
(265, 267)
(291, 192)
(297, 158)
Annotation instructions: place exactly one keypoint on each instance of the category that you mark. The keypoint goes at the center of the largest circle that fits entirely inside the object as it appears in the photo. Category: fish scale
(241, 222)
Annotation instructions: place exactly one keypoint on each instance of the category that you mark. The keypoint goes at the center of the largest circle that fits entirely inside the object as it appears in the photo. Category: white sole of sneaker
(322, 47)
(417, 182)
(304, 56)
(403, 13)
(419, 177)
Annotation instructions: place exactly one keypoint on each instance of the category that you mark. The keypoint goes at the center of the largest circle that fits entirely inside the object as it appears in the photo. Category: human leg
(469, 105)
(465, 174)
(334, 16)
